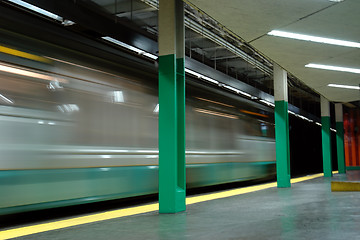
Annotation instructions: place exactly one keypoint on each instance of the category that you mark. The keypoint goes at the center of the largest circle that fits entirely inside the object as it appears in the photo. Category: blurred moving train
(75, 129)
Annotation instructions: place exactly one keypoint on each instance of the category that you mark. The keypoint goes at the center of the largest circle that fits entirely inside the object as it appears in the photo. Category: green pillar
(171, 107)
(340, 137)
(326, 136)
(281, 128)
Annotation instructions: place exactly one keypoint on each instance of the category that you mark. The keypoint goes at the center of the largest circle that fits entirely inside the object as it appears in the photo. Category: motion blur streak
(215, 113)
(24, 231)
(81, 66)
(84, 129)
(27, 73)
(207, 100)
(254, 113)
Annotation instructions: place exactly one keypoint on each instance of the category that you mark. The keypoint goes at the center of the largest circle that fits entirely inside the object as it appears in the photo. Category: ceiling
(252, 20)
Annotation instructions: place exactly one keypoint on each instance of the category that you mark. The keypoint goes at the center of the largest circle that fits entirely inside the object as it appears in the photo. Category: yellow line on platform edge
(44, 227)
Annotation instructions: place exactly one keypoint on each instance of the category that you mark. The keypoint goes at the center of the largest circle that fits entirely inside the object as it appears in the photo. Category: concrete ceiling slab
(252, 20)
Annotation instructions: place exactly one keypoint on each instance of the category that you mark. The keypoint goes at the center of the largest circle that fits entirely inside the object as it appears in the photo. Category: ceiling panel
(251, 19)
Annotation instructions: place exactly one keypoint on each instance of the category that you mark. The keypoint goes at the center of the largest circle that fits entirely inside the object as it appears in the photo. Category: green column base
(171, 136)
(177, 205)
(282, 144)
(326, 146)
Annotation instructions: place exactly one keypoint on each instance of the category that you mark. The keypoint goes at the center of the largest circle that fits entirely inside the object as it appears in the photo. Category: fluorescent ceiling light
(200, 76)
(304, 118)
(191, 72)
(42, 11)
(238, 91)
(344, 86)
(131, 48)
(247, 94)
(291, 112)
(319, 124)
(333, 68)
(267, 102)
(314, 38)
(36, 9)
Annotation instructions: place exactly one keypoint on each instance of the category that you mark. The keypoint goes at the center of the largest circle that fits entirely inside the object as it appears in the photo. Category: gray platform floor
(307, 210)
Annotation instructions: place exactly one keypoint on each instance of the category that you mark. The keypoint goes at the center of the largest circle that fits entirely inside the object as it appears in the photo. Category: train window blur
(84, 127)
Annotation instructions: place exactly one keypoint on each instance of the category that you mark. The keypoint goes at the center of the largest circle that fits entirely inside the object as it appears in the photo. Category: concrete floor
(308, 210)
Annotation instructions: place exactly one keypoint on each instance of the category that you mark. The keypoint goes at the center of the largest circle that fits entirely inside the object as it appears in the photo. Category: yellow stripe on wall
(18, 53)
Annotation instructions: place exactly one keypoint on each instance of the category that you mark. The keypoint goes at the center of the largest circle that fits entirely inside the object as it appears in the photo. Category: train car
(76, 128)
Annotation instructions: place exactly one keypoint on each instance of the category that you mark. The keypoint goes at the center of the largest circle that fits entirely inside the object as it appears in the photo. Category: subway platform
(307, 210)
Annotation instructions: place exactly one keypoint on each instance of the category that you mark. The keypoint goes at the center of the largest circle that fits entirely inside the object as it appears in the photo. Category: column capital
(324, 107)
(339, 112)
(280, 84)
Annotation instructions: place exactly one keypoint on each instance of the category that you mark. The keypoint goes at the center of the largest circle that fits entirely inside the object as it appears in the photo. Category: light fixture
(41, 11)
(238, 91)
(333, 68)
(344, 86)
(291, 112)
(314, 38)
(200, 76)
(131, 48)
(304, 118)
(206, 78)
(191, 72)
(267, 103)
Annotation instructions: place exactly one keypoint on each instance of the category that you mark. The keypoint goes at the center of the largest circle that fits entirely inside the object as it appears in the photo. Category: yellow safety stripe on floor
(239, 191)
(338, 186)
(44, 227)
